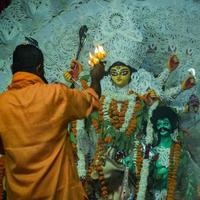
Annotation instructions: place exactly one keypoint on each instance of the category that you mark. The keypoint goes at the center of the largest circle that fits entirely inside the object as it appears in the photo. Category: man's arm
(79, 104)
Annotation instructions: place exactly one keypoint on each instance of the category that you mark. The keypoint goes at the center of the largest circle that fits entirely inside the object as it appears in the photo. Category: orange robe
(39, 160)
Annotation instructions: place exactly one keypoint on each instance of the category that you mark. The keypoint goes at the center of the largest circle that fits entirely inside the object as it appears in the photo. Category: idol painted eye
(114, 73)
(124, 73)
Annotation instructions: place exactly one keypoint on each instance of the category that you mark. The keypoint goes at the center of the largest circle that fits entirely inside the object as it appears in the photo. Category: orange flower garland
(100, 111)
(133, 121)
(173, 166)
(96, 122)
(118, 117)
(97, 165)
(74, 131)
(139, 161)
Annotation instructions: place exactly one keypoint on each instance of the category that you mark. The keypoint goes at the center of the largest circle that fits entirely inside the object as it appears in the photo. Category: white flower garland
(81, 165)
(161, 195)
(143, 179)
(145, 164)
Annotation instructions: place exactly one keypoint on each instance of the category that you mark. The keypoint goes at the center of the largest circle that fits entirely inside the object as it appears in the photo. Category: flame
(91, 56)
(96, 51)
(93, 60)
(90, 63)
(100, 48)
(192, 72)
(100, 52)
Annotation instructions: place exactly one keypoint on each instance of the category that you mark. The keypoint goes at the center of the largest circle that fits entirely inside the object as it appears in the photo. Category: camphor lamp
(99, 52)
(97, 57)
(93, 60)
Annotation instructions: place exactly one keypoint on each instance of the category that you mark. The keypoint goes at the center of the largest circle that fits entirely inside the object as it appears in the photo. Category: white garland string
(145, 164)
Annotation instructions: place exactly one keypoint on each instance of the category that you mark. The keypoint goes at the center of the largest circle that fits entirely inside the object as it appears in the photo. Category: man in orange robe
(34, 115)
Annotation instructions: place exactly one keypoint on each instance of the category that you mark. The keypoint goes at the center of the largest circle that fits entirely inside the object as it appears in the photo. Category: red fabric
(4, 4)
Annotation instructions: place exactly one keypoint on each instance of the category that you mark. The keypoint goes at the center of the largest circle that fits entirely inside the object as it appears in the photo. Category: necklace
(163, 156)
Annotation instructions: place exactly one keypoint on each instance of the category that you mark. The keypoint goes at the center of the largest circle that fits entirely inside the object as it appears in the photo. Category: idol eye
(124, 73)
(114, 73)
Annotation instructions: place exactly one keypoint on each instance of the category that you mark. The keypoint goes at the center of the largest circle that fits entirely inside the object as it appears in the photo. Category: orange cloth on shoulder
(39, 160)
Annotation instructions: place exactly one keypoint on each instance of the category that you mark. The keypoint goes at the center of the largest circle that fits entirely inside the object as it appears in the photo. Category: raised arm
(79, 104)
(172, 64)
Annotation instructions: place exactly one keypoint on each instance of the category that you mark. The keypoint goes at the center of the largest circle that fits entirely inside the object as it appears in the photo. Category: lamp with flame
(93, 60)
(99, 52)
(97, 57)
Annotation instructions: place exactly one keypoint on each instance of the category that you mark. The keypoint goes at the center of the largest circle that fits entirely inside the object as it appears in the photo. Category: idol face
(120, 75)
(164, 127)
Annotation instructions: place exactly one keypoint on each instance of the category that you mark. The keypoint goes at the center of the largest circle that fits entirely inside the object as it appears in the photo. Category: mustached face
(120, 75)
(164, 126)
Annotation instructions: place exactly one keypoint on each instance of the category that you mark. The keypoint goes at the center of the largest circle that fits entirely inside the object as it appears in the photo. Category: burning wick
(99, 52)
(97, 57)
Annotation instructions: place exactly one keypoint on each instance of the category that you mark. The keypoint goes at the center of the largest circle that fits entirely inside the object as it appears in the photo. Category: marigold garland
(118, 117)
(96, 122)
(174, 160)
(139, 161)
(133, 121)
(100, 111)
(97, 165)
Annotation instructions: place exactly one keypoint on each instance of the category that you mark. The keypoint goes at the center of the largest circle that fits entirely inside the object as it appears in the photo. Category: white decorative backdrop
(141, 33)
